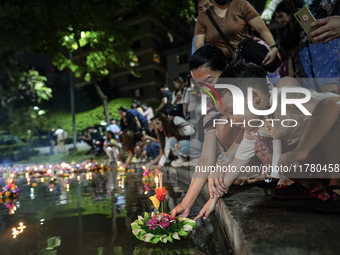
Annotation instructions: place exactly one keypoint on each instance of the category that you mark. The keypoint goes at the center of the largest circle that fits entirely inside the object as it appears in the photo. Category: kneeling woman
(132, 144)
(112, 146)
(174, 135)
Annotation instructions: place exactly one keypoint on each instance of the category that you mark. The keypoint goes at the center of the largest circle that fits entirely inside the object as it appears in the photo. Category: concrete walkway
(257, 224)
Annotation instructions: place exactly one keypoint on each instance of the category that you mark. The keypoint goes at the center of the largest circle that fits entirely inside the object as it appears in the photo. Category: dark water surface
(90, 214)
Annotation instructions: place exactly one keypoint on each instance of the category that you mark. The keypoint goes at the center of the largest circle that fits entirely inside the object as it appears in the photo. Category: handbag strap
(223, 36)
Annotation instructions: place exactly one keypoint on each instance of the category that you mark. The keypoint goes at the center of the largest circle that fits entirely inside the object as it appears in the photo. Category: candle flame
(156, 180)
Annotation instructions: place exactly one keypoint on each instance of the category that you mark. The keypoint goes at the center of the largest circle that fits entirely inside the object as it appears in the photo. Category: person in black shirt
(92, 136)
(52, 138)
(127, 121)
(165, 107)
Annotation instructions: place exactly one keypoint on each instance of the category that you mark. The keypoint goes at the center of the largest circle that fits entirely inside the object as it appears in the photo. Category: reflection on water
(91, 213)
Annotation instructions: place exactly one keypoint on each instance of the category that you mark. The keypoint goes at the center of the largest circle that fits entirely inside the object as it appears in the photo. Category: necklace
(223, 20)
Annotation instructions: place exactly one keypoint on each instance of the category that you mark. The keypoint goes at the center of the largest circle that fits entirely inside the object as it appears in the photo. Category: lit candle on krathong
(156, 181)
(160, 180)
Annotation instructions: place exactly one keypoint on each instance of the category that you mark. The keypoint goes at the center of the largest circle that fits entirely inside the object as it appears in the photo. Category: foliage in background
(19, 95)
(23, 87)
(185, 10)
(85, 119)
(78, 156)
(94, 31)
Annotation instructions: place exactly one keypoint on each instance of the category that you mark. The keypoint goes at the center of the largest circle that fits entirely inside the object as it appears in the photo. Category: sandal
(296, 191)
(330, 200)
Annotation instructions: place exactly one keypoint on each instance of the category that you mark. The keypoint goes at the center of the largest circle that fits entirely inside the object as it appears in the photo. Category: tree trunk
(74, 132)
(104, 100)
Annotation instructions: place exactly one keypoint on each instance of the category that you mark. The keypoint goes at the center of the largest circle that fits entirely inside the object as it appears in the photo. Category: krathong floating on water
(10, 191)
(46, 170)
(160, 227)
(9, 194)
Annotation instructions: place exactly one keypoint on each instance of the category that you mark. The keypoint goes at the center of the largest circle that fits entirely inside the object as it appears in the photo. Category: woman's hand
(181, 210)
(208, 208)
(216, 184)
(329, 29)
(148, 165)
(271, 55)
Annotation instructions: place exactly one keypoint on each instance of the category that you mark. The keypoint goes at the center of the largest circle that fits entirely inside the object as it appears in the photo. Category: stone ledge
(257, 224)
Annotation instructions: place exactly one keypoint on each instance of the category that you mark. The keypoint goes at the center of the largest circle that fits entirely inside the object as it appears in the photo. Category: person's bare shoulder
(287, 81)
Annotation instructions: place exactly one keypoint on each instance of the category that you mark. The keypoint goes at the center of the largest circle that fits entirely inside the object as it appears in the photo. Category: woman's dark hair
(291, 36)
(247, 75)
(173, 113)
(170, 129)
(123, 109)
(208, 56)
(136, 102)
(129, 139)
(182, 84)
(286, 6)
(111, 133)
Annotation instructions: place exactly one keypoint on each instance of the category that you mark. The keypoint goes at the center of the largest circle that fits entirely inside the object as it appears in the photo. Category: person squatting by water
(315, 140)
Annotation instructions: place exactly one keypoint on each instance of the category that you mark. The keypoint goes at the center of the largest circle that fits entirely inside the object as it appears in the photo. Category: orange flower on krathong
(7, 193)
(160, 194)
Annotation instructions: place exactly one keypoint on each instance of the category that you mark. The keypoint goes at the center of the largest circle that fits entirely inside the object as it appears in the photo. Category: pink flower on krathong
(146, 187)
(173, 219)
(156, 221)
(164, 224)
(153, 223)
(165, 218)
(146, 172)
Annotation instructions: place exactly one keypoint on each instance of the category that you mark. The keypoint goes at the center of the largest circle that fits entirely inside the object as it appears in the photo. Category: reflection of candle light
(156, 181)
(42, 179)
(78, 178)
(16, 232)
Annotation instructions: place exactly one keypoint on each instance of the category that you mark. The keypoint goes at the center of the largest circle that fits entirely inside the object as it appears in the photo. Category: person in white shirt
(148, 112)
(61, 139)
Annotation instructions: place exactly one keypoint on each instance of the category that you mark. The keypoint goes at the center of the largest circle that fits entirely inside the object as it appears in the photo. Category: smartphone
(305, 18)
